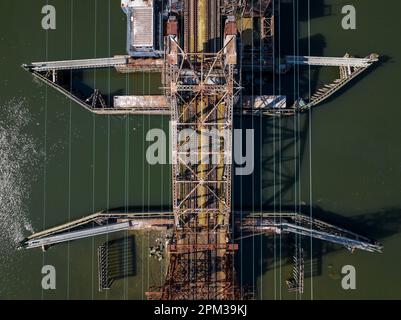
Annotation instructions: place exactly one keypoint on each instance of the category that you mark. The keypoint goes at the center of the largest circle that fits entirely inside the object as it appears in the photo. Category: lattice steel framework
(200, 88)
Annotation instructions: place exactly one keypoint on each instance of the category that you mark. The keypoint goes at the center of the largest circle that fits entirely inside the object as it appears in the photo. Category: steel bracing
(202, 89)
(285, 223)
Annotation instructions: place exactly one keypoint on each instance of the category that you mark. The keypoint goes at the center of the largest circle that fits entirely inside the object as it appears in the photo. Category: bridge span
(77, 64)
(331, 61)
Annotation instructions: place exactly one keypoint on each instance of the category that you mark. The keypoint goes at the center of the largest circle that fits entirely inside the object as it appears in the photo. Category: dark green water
(58, 162)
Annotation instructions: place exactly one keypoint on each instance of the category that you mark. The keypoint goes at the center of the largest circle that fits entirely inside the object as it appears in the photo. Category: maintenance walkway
(331, 61)
(78, 64)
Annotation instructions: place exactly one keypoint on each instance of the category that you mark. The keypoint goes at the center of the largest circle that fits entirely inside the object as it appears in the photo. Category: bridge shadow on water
(121, 260)
(278, 156)
(300, 80)
(82, 83)
(259, 254)
(279, 153)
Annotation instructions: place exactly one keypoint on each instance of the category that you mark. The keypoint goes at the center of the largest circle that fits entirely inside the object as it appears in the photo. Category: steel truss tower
(200, 88)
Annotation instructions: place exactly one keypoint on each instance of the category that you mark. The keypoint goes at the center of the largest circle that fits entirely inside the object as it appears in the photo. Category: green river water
(59, 162)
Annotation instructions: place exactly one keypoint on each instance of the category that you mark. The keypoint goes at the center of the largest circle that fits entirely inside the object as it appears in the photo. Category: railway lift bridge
(200, 66)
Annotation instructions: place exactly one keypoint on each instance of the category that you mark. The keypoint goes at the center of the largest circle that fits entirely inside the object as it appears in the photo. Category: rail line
(202, 89)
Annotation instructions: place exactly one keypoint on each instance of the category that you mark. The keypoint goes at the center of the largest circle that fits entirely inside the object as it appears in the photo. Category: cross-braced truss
(200, 88)
(200, 92)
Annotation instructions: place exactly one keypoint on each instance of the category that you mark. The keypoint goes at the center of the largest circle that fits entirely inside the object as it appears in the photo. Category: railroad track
(192, 27)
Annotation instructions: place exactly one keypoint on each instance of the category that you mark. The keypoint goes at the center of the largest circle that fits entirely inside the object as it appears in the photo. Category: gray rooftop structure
(142, 30)
(142, 27)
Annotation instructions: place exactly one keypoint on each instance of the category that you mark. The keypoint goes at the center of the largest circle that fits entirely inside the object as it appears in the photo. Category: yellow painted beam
(202, 25)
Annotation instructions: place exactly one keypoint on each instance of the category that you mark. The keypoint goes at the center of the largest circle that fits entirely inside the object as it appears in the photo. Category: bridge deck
(330, 61)
(78, 64)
